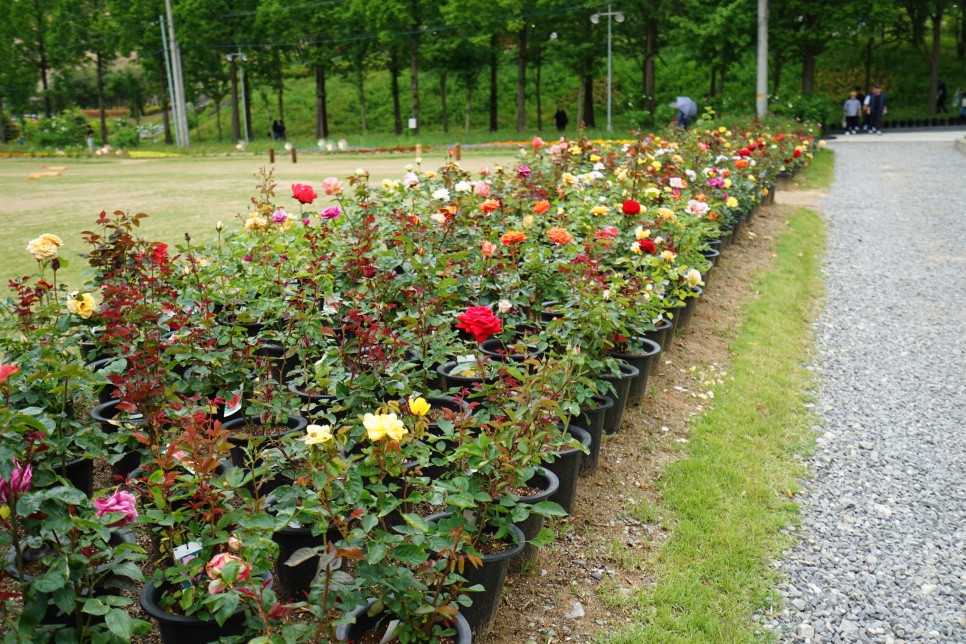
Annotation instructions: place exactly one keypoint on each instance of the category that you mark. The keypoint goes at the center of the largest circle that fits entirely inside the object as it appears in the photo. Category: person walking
(90, 139)
(560, 119)
(877, 107)
(851, 110)
(941, 95)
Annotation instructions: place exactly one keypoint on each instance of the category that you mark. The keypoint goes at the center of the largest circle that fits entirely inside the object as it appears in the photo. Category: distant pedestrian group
(871, 108)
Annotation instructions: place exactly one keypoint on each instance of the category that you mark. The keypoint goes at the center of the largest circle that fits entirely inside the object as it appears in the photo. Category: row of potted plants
(362, 403)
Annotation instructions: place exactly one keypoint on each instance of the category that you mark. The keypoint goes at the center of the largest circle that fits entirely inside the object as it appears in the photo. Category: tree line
(470, 44)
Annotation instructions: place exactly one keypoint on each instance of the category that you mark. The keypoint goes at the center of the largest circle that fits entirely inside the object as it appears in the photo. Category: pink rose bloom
(19, 483)
(332, 186)
(121, 502)
(279, 216)
(482, 188)
(330, 213)
(537, 144)
(214, 569)
(696, 207)
(488, 249)
(523, 172)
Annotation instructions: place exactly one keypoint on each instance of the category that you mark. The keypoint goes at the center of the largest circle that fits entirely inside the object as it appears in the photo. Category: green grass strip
(730, 496)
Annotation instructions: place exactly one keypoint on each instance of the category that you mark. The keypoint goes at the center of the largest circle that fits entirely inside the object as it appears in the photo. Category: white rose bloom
(442, 194)
(463, 186)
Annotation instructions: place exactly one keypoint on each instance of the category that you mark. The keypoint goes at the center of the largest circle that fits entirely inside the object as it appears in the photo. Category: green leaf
(416, 521)
(120, 623)
(54, 579)
(376, 552)
(94, 606)
(548, 509)
(301, 556)
(409, 554)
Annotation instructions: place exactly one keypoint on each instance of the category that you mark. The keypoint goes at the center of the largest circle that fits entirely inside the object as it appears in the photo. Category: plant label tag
(234, 409)
(187, 552)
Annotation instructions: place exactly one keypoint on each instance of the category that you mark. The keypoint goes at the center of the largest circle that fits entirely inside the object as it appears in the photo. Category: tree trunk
(650, 86)
(469, 107)
(361, 92)
(218, 117)
(100, 97)
(442, 100)
(868, 65)
(396, 107)
(776, 74)
(3, 122)
(808, 68)
(961, 34)
(281, 96)
(42, 53)
(537, 89)
(721, 88)
(522, 79)
(494, 53)
(236, 133)
(414, 73)
(248, 109)
(589, 119)
(712, 91)
(163, 84)
(937, 23)
(580, 104)
(321, 104)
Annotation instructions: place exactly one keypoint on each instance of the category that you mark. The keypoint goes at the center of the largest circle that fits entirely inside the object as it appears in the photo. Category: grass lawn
(731, 493)
(188, 194)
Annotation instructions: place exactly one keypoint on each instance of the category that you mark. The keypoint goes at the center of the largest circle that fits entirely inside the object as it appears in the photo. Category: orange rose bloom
(489, 205)
(741, 163)
(511, 237)
(559, 236)
(541, 207)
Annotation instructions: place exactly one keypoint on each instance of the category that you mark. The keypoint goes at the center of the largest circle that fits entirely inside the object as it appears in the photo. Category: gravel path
(882, 550)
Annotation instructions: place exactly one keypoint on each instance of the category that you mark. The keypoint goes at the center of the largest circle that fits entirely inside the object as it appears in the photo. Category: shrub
(67, 129)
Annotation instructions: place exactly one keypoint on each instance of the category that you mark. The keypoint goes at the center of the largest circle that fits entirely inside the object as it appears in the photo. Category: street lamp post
(241, 80)
(619, 17)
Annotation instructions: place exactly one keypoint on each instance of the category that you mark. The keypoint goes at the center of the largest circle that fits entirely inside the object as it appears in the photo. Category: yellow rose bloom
(595, 158)
(635, 248)
(656, 165)
(694, 278)
(568, 179)
(429, 174)
(722, 129)
(668, 256)
(732, 202)
(84, 306)
(641, 233)
(599, 210)
(419, 406)
(575, 149)
(378, 426)
(665, 213)
(727, 183)
(652, 192)
(317, 434)
(44, 247)
(528, 221)
(254, 222)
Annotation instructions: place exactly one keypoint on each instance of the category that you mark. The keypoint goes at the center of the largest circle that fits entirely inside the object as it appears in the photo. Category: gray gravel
(881, 554)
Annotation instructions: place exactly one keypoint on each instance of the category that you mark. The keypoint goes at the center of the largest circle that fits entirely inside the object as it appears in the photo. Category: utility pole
(167, 67)
(619, 17)
(181, 115)
(761, 90)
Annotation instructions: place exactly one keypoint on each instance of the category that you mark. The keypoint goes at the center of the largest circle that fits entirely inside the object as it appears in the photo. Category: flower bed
(319, 374)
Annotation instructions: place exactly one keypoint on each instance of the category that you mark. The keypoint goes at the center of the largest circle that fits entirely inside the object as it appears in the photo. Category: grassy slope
(730, 496)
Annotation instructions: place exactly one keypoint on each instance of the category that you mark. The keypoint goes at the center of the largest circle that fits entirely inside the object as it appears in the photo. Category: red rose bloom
(744, 152)
(646, 246)
(159, 254)
(303, 194)
(479, 322)
(797, 153)
(631, 207)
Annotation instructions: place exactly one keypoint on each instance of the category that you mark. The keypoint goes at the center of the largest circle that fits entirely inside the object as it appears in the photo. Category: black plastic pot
(592, 419)
(622, 386)
(188, 629)
(566, 466)
(449, 380)
(350, 633)
(80, 473)
(314, 404)
(240, 441)
(497, 350)
(294, 581)
(107, 415)
(681, 324)
(642, 360)
(662, 334)
(491, 576)
(548, 483)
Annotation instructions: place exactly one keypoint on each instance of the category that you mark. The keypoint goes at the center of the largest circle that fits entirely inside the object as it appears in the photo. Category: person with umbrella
(687, 109)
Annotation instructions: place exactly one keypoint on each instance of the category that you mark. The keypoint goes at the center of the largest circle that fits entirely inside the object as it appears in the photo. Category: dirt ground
(608, 548)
